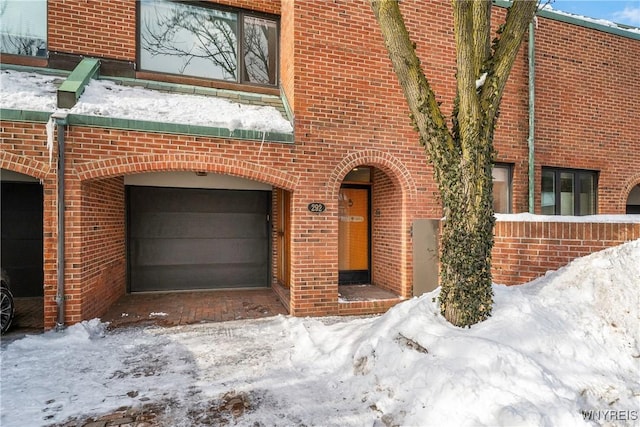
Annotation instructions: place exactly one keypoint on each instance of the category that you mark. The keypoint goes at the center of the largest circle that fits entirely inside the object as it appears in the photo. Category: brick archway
(624, 196)
(380, 159)
(25, 165)
(182, 162)
(402, 182)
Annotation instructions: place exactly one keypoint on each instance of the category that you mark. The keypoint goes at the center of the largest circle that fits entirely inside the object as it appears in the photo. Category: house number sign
(316, 207)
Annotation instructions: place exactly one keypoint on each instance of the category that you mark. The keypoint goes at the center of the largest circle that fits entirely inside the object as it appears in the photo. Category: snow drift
(561, 350)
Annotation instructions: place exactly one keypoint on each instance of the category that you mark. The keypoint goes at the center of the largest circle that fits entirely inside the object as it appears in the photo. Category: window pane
(566, 193)
(23, 27)
(587, 194)
(260, 47)
(548, 192)
(501, 189)
(180, 38)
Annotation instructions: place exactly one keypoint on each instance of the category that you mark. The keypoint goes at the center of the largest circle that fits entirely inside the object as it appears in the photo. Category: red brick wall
(107, 29)
(526, 250)
(349, 111)
(587, 88)
(386, 218)
(287, 46)
(92, 27)
(103, 245)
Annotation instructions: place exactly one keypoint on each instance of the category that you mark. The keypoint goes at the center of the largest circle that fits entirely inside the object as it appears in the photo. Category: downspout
(532, 104)
(61, 122)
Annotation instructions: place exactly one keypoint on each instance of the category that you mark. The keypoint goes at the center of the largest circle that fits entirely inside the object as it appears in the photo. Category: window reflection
(189, 39)
(23, 27)
(180, 38)
(260, 38)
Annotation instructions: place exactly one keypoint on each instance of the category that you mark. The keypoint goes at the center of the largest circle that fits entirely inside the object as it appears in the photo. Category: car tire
(7, 309)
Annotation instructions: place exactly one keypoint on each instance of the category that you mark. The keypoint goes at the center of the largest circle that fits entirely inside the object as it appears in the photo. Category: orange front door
(353, 234)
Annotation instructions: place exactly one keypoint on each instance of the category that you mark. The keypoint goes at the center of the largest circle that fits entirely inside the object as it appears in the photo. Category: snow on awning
(31, 91)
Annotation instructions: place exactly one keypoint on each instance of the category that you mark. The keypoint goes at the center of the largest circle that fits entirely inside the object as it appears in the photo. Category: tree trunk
(463, 156)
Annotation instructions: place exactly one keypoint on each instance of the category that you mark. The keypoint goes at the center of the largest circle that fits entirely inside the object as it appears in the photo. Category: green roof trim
(24, 115)
(621, 30)
(176, 128)
(147, 126)
(71, 89)
(39, 70)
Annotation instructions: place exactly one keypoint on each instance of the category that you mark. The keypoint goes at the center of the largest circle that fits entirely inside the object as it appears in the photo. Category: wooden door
(354, 248)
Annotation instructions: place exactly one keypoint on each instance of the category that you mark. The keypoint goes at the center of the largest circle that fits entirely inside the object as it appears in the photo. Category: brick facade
(348, 112)
(526, 250)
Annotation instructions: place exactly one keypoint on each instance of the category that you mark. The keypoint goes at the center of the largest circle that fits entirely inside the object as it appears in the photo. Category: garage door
(21, 227)
(183, 239)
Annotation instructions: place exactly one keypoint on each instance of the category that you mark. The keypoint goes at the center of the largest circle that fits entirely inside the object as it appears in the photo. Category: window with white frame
(200, 40)
(23, 27)
(568, 191)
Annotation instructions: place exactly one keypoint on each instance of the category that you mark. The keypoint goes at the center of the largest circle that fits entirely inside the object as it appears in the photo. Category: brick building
(152, 205)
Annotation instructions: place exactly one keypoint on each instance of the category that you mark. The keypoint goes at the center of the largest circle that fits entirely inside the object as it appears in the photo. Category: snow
(481, 80)
(604, 22)
(105, 98)
(564, 343)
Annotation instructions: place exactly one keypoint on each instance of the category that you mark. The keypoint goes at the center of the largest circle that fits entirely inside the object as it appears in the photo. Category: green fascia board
(24, 115)
(576, 20)
(39, 70)
(147, 126)
(177, 128)
(70, 90)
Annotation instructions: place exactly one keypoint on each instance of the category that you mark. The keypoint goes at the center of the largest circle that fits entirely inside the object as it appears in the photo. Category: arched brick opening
(103, 195)
(630, 191)
(180, 162)
(393, 193)
(45, 173)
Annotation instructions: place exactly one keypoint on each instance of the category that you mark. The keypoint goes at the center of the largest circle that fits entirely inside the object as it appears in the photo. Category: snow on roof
(603, 22)
(37, 92)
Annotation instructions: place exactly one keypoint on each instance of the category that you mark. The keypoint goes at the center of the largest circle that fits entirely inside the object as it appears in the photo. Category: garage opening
(22, 233)
(188, 238)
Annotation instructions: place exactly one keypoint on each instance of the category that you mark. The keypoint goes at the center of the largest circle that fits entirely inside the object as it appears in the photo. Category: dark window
(502, 188)
(23, 27)
(568, 192)
(197, 40)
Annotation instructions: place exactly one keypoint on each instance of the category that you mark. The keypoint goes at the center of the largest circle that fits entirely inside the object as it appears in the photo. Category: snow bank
(553, 348)
(565, 343)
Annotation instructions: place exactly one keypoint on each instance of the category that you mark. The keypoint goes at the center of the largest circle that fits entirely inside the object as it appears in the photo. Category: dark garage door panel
(182, 239)
(21, 228)
(197, 276)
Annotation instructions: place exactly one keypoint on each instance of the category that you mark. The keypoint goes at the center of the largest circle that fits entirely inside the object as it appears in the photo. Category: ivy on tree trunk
(462, 153)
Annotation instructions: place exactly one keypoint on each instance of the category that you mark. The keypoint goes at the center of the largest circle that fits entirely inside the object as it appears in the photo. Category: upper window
(23, 27)
(196, 40)
(568, 192)
(501, 188)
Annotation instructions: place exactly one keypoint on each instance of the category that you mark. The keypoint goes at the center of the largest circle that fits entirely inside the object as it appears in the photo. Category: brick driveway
(182, 308)
(166, 309)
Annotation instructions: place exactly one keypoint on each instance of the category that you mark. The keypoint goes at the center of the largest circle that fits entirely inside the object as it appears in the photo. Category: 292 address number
(316, 207)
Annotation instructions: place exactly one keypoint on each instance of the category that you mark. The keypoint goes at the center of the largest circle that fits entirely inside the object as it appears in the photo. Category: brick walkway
(182, 308)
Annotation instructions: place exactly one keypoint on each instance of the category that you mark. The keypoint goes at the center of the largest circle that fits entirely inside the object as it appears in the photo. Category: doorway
(354, 234)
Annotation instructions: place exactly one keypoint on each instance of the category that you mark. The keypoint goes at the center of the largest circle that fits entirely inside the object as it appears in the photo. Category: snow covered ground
(554, 348)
